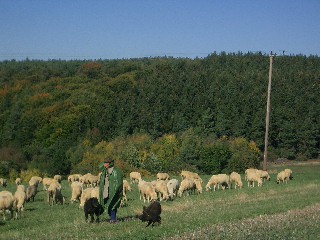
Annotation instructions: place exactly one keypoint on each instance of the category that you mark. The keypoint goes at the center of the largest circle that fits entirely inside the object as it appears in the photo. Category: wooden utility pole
(267, 117)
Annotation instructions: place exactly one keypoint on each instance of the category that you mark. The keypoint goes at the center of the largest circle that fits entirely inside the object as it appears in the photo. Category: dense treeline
(162, 113)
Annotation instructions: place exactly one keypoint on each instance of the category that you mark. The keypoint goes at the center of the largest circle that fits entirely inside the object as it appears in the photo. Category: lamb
(187, 185)
(126, 187)
(217, 180)
(46, 182)
(134, 177)
(31, 192)
(236, 179)
(3, 182)
(7, 203)
(163, 176)
(173, 186)
(19, 199)
(92, 207)
(289, 171)
(264, 175)
(147, 191)
(54, 194)
(18, 181)
(151, 214)
(254, 177)
(88, 193)
(57, 178)
(283, 176)
(76, 190)
(161, 190)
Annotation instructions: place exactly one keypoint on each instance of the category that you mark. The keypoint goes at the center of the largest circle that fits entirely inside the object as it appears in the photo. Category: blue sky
(109, 29)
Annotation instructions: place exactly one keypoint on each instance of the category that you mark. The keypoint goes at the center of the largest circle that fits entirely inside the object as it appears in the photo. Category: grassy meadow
(274, 211)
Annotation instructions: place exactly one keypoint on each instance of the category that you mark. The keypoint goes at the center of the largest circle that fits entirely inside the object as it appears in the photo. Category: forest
(156, 114)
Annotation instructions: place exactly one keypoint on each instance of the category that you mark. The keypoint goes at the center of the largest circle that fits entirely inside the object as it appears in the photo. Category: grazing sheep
(283, 176)
(88, 193)
(18, 181)
(163, 176)
(3, 182)
(126, 187)
(264, 175)
(46, 182)
(198, 183)
(92, 207)
(189, 175)
(161, 190)
(31, 192)
(222, 180)
(19, 199)
(236, 179)
(57, 178)
(135, 177)
(7, 203)
(187, 185)
(173, 186)
(35, 179)
(147, 191)
(289, 171)
(54, 194)
(151, 214)
(254, 177)
(76, 190)
(248, 171)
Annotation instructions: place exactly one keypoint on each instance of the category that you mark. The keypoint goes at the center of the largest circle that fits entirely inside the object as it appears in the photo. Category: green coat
(115, 189)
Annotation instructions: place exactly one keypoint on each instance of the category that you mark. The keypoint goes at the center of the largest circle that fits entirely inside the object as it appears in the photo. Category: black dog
(92, 207)
(151, 214)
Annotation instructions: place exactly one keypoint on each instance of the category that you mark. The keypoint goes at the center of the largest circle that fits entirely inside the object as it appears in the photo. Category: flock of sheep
(84, 187)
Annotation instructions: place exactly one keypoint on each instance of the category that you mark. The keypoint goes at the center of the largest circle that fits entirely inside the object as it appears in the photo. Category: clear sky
(109, 29)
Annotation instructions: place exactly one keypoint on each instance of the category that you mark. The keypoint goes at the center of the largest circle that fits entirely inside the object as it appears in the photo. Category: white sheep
(21, 188)
(46, 182)
(254, 177)
(126, 187)
(19, 199)
(93, 180)
(134, 177)
(76, 190)
(3, 182)
(55, 194)
(283, 176)
(84, 179)
(161, 190)
(57, 178)
(7, 203)
(18, 181)
(264, 175)
(88, 193)
(147, 191)
(163, 176)
(189, 175)
(222, 180)
(289, 171)
(236, 179)
(31, 192)
(187, 185)
(173, 186)
(248, 171)
(74, 177)
(35, 180)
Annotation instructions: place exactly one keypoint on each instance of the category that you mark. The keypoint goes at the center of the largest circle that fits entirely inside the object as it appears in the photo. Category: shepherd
(110, 188)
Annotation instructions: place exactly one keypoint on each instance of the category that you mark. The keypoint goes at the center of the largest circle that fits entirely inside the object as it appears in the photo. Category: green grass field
(284, 211)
